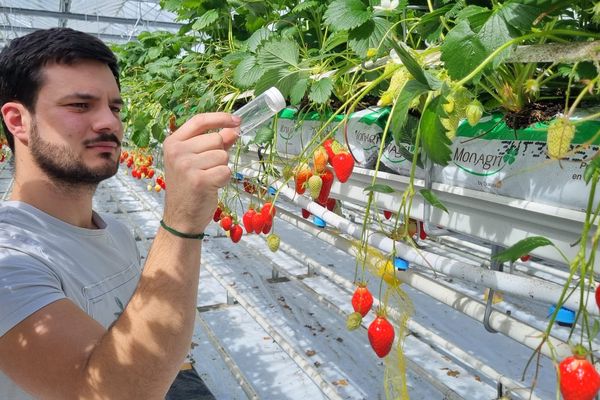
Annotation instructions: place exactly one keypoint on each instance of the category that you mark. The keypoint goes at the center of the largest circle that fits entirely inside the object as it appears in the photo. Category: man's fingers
(229, 135)
(207, 159)
(202, 123)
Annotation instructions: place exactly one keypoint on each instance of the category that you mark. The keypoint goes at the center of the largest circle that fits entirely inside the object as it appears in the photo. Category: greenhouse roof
(114, 21)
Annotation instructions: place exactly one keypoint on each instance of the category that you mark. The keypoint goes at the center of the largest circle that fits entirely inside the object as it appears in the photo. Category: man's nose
(107, 120)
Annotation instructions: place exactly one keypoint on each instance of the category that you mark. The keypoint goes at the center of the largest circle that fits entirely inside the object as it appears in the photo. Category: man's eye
(82, 106)
(116, 110)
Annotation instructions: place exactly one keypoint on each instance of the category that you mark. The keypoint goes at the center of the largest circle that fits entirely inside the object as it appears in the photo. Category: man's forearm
(145, 347)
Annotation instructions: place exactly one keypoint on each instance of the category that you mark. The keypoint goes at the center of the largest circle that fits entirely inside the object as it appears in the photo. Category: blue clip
(272, 190)
(319, 222)
(564, 317)
(238, 176)
(400, 264)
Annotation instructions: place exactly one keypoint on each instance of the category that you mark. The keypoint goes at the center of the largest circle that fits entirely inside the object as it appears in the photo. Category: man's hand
(196, 168)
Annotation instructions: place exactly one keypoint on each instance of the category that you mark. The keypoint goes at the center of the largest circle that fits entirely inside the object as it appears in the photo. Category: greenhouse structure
(410, 210)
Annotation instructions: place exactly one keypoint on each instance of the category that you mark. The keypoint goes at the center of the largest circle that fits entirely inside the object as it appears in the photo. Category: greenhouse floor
(268, 327)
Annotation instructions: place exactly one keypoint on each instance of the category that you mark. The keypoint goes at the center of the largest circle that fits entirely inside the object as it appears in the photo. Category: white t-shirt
(43, 259)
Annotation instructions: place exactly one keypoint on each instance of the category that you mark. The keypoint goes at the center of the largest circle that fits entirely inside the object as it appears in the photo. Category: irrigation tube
(507, 325)
(327, 388)
(527, 287)
(431, 337)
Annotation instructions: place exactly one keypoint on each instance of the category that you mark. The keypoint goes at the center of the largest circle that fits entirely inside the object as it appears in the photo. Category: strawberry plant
(430, 67)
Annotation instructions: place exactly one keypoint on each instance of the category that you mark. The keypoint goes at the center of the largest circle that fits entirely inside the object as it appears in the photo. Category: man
(64, 269)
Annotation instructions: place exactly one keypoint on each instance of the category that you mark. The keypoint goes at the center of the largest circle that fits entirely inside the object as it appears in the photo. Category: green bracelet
(198, 236)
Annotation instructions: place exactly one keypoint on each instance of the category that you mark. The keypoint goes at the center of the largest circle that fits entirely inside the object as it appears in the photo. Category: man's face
(76, 127)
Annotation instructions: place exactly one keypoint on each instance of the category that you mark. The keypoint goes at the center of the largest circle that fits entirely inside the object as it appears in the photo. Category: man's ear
(17, 119)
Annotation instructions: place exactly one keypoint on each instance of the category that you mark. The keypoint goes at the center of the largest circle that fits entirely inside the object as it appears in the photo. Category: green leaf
(334, 40)
(432, 199)
(283, 79)
(205, 20)
(298, 91)
(433, 135)
(278, 53)
(247, 72)
(430, 26)
(409, 62)
(493, 34)
(158, 132)
(320, 91)
(263, 135)
(475, 16)
(462, 51)
(592, 167)
(519, 16)
(368, 35)
(154, 53)
(412, 89)
(257, 38)
(521, 248)
(379, 188)
(234, 57)
(307, 5)
(141, 133)
(344, 15)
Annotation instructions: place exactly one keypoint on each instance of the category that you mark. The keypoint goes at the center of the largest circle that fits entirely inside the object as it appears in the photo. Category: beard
(63, 165)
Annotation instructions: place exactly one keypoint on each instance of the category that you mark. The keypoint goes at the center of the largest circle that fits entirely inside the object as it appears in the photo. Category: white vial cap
(274, 99)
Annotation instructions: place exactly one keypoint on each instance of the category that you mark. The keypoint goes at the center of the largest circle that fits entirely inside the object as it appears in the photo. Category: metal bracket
(230, 299)
(494, 266)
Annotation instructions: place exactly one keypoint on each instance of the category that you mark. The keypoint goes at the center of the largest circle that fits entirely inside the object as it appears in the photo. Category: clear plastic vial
(259, 110)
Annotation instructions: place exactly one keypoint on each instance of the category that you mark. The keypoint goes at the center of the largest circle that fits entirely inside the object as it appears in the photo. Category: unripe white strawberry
(560, 134)
(399, 79)
(315, 183)
(448, 106)
(474, 112)
(273, 242)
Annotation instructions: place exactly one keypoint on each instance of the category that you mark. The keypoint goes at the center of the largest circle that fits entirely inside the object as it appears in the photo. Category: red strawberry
(343, 164)
(362, 299)
(172, 123)
(268, 211)
(579, 380)
(422, 233)
(236, 233)
(217, 214)
(327, 178)
(525, 258)
(268, 225)
(247, 220)
(305, 213)
(598, 296)
(226, 222)
(161, 182)
(258, 222)
(302, 175)
(381, 336)
(249, 187)
(331, 204)
(387, 214)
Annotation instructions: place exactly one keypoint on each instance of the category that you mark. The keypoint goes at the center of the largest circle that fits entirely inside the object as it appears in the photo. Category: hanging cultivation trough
(418, 220)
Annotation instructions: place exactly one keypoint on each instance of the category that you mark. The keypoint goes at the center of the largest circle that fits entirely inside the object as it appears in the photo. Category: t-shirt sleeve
(26, 285)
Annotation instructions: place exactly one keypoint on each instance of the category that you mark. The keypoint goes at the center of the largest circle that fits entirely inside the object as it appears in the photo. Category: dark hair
(22, 61)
